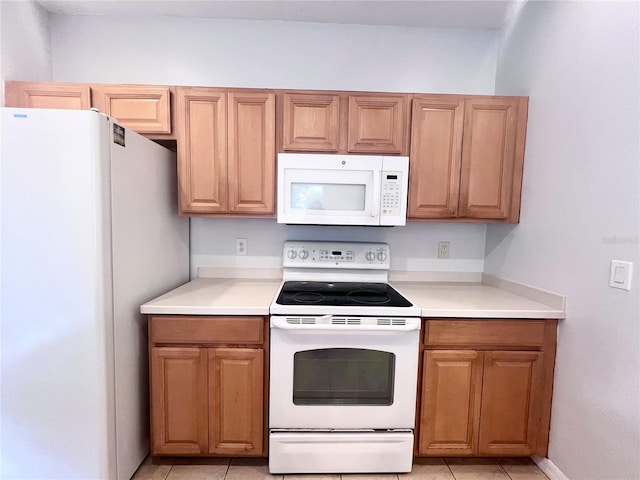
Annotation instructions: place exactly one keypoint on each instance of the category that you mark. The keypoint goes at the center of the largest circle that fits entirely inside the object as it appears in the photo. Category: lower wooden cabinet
(207, 400)
(236, 401)
(179, 401)
(486, 393)
(450, 402)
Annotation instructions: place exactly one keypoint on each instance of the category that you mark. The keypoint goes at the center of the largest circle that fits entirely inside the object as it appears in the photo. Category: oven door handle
(282, 324)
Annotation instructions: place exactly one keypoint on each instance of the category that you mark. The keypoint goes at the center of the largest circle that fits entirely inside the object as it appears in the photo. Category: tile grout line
(173, 462)
(451, 471)
(504, 469)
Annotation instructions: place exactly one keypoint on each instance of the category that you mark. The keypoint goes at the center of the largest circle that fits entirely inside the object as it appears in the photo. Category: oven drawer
(485, 333)
(206, 330)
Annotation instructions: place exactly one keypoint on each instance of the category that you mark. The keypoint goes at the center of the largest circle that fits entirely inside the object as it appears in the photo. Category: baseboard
(549, 468)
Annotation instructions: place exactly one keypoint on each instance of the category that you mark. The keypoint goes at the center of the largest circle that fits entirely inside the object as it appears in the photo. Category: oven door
(343, 376)
(329, 189)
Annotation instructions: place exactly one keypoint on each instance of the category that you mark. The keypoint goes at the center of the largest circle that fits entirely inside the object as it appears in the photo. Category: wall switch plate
(443, 249)
(241, 246)
(620, 274)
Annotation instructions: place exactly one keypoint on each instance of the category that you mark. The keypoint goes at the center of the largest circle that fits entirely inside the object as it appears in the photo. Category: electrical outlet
(241, 246)
(443, 249)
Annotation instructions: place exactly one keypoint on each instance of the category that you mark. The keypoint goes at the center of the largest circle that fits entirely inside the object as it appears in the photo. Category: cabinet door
(491, 163)
(252, 153)
(144, 109)
(236, 425)
(450, 407)
(202, 150)
(511, 403)
(377, 123)
(47, 95)
(311, 122)
(178, 401)
(436, 149)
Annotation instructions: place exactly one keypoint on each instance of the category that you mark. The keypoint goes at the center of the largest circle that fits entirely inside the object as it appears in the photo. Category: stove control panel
(303, 254)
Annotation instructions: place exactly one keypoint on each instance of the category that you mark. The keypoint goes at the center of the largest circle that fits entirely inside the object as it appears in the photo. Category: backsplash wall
(414, 247)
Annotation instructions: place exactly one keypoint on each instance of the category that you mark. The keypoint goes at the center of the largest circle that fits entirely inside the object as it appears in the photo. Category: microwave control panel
(391, 194)
(352, 255)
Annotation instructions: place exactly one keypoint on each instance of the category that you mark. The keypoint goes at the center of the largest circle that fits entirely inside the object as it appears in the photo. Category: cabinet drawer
(487, 333)
(207, 330)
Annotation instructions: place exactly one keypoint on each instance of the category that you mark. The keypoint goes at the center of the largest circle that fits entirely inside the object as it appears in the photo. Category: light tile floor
(257, 469)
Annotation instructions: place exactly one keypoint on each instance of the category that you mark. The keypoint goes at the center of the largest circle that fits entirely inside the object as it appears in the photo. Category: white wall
(579, 63)
(182, 51)
(271, 54)
(25, 46)
(414, 246)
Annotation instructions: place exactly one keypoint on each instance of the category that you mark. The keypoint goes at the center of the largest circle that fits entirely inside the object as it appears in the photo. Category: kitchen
(571, 224)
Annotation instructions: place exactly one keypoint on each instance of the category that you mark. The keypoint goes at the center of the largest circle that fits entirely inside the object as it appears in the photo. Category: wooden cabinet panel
(450, 413)
(488, 333)
(179, 401)
(311, 122)
(202, 150)
(377, 123)
(47, 95)
(510, 410)
(144, 109)
(488, 157)
(436, 148)
(203, 329)
(236, 403)
(252, 153)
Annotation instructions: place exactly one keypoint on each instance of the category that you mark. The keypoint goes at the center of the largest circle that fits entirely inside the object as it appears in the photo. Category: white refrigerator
(89, 231)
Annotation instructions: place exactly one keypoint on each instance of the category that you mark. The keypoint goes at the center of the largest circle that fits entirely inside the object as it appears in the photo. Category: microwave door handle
(377, 187)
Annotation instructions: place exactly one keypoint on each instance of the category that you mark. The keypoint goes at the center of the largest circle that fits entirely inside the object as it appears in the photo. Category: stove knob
(292, 254)
(382, 256)
(304, 254)
(370, 256)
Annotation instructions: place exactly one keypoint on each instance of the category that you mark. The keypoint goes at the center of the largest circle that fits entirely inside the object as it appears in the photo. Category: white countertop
(216, 296)
(472, 300)
(237, 296)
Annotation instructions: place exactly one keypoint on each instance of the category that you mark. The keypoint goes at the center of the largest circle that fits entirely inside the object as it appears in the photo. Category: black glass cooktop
(341, 294)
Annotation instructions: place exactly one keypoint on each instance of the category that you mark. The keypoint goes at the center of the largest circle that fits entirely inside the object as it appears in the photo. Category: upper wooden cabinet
(377, 123)
(436, 152)
(145, 109)
(311, 122)
(467, 157)
(343, 122)
(47, 95)
(226, 151)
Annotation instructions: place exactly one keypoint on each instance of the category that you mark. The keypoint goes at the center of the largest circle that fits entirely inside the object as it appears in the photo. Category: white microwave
(323, 189)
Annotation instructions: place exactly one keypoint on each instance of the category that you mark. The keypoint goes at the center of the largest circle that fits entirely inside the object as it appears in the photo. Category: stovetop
(356, 294)
(338, 278)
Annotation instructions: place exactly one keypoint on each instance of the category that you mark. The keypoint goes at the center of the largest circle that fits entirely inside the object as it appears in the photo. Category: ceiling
(491, 14)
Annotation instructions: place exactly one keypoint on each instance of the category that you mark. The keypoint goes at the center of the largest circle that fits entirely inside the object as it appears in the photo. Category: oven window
(343, 376)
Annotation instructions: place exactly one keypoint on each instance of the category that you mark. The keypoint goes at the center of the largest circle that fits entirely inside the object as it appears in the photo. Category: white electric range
(344, 363)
